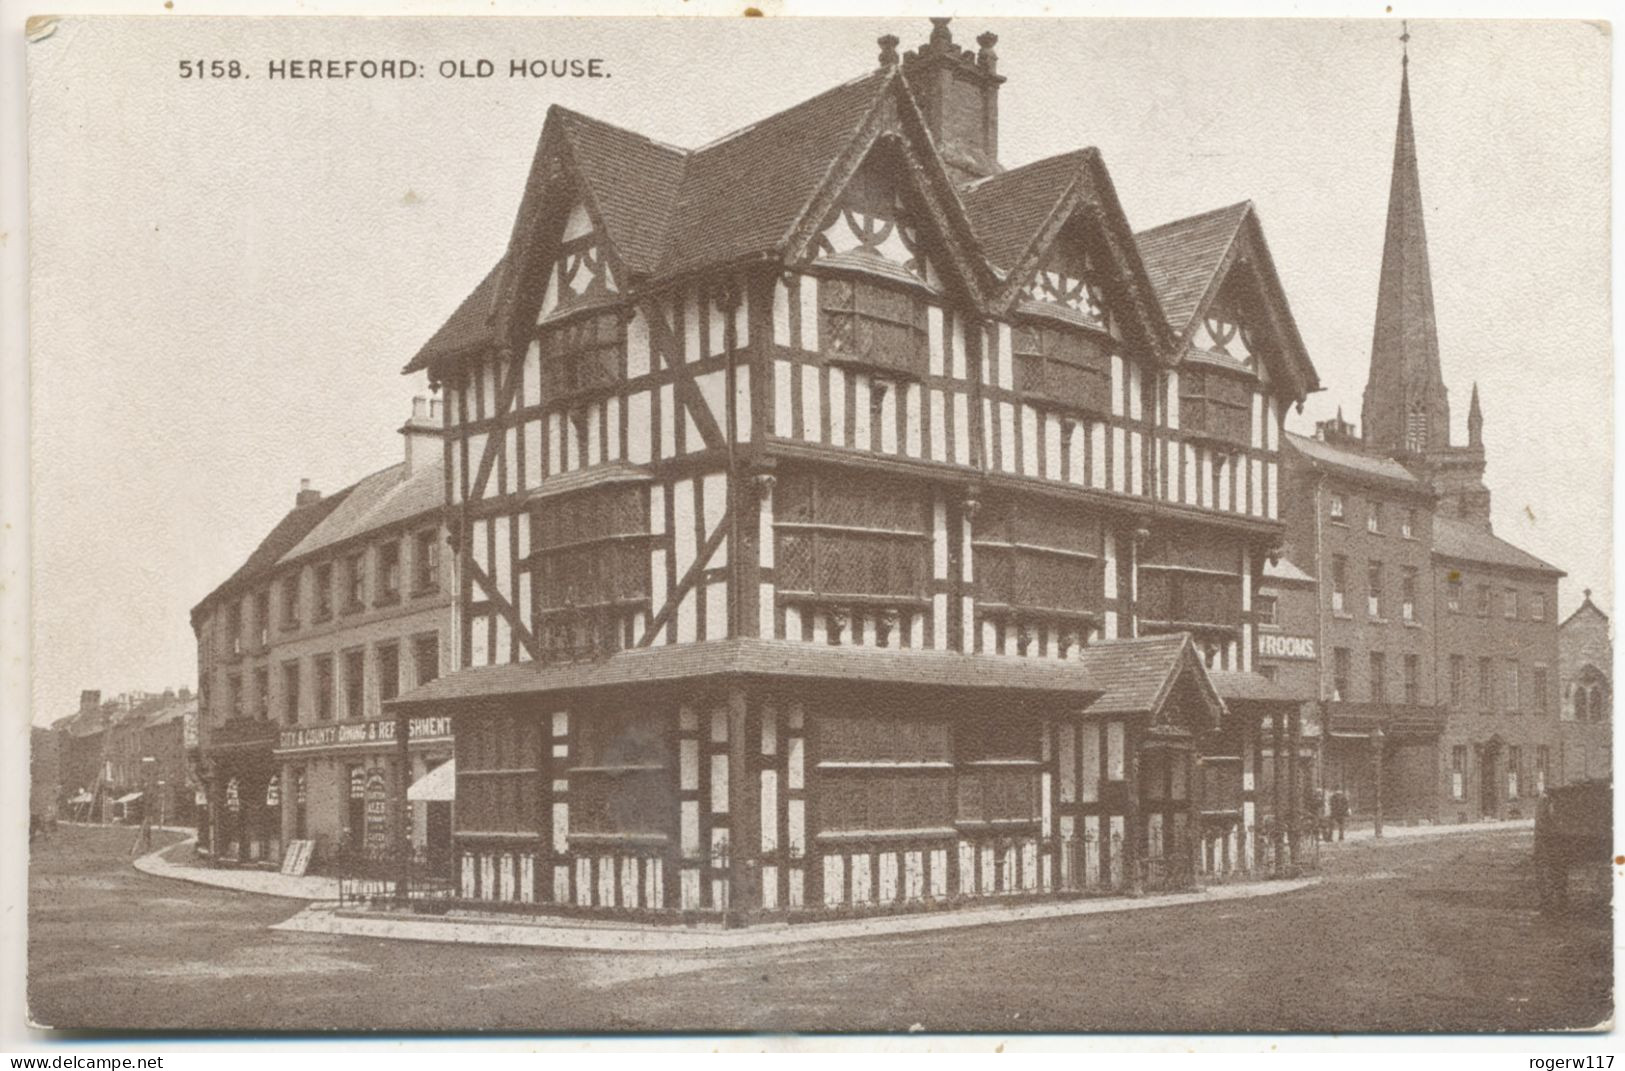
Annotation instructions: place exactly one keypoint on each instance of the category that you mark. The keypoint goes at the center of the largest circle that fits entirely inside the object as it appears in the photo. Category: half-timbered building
(845, 522)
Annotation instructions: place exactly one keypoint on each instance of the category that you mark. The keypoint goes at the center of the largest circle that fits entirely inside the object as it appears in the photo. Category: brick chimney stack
(90, 699)
(306, 495)
(424, 432)
(958, 91)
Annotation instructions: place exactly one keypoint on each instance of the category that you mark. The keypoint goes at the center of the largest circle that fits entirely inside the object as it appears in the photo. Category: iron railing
(370, 876)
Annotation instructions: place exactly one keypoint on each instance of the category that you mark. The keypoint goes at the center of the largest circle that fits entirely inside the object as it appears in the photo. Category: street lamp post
(148, 764)
(1376, 758)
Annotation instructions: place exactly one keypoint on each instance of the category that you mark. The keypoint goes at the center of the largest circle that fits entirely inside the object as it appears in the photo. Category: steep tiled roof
(1006, 210)
(1135, 674)
(1353, 462)
(742, 194)
(292, 528)
(1465, 541)
(468, 328)
(1183, 256)
(633, 181)
(383, 498)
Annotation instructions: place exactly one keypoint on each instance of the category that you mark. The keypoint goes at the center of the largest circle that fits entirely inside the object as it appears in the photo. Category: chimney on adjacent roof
(424, 432)
(1337, 431)
(90, 699)
(306, 495)
(958, 92)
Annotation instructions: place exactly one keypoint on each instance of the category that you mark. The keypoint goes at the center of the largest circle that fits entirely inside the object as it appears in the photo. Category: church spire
(1475, 420)
(1405, 407)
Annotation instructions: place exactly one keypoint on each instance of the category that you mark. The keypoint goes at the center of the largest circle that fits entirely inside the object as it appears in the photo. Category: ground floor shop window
(885, 774)
(997, 775)
(623, 787)
(499, 774)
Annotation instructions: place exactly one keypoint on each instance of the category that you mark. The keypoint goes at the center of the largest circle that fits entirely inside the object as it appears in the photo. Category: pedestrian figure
(1340, 811)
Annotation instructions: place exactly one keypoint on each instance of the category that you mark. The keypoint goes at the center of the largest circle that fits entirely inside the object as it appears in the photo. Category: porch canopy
(740, 658)
(131, 798)
(1148, 676)
(439, 785)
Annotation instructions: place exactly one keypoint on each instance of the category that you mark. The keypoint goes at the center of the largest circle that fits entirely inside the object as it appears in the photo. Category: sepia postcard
(902, 524)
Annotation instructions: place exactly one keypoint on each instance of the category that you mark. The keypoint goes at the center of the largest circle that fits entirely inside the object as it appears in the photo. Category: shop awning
(128, 799)
(438, 785)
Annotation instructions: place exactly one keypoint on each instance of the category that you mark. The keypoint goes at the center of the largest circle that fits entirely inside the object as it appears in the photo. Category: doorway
(1486, 784)
(437, 836)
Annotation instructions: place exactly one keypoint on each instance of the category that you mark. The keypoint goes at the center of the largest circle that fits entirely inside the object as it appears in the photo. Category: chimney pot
(985, 56)
(420, 407)
(434, 411)
(888, 50)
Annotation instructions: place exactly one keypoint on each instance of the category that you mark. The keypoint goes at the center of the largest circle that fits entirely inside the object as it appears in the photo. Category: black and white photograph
(920, 524)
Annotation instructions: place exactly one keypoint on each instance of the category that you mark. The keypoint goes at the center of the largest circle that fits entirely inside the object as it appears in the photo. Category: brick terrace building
(1439, 643)
(844, 522)
(102, 748)
(1289, 637)
(345, 604)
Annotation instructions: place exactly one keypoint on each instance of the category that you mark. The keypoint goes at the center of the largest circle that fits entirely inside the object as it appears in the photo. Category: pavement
(263, 882)
(627, 937)
(1397, 832)
(323, 916)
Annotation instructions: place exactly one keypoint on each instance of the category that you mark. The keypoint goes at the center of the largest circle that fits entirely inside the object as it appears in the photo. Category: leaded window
(499, 774)
(1036, 556)
(623, 785)
(841, 537)
(884, 773)
(582, 355)
(1063, 365)
(592, 558)
(876, 325)
(1216, 406)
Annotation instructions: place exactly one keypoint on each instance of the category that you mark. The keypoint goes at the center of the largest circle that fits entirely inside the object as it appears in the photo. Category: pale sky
(228, 276)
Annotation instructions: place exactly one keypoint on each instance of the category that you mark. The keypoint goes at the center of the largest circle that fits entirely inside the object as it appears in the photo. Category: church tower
(1406, 409)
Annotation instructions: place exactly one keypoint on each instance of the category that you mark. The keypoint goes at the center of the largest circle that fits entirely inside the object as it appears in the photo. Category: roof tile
(1454, 538)
(1183, 256)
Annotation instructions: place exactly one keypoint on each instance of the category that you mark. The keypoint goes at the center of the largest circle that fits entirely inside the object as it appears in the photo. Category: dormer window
(584, 354)
(1062, 365)
(879, 326)
(1215, 406)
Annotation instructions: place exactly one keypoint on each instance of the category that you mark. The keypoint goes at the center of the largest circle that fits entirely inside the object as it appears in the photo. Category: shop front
(242, 793)
(340, 783)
